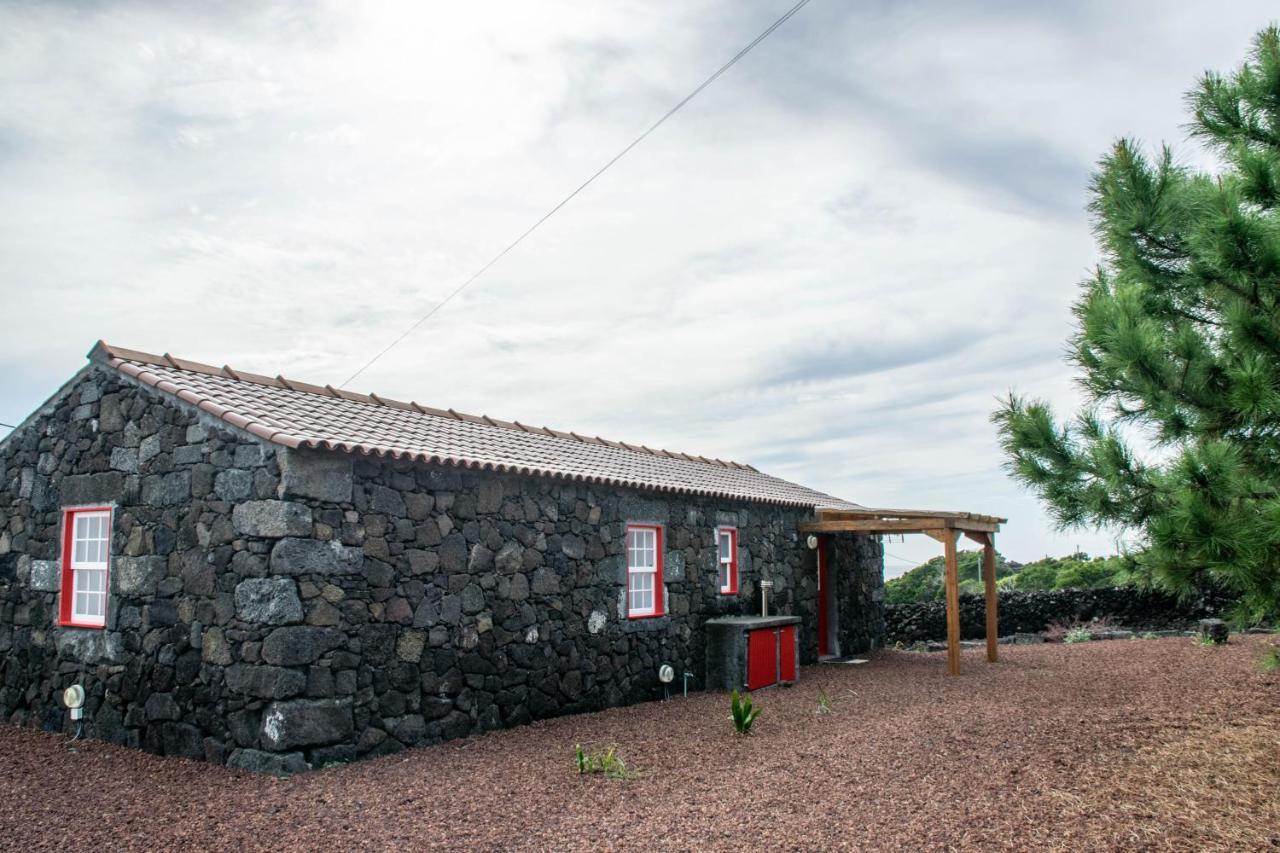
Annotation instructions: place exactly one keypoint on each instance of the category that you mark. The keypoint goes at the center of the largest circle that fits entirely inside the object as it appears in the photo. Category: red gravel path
(1039, 751)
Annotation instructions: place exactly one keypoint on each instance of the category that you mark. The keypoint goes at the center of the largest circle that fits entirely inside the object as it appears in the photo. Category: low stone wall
(1031, 612)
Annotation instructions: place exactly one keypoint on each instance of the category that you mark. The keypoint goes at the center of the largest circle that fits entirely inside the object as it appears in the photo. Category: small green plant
(605, 761)
(1077, 635)
(743, 713)
(1270, 660)
(824, 702)
(1151, 635)
(1206, 640)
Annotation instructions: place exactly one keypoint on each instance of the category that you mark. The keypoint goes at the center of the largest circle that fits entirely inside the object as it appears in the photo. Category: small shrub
(604, 761)
(1270, 660)
(1078, 634)
(1151, 635)
(743, 713)
(824, 702)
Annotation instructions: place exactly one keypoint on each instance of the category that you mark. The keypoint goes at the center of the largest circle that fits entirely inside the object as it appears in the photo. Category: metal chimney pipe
(765, 586)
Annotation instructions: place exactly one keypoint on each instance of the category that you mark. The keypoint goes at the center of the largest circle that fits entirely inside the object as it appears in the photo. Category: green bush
(1078, 635)
(743, 714)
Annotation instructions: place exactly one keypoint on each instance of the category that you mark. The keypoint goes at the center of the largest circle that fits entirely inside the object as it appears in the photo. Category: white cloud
(829, 264)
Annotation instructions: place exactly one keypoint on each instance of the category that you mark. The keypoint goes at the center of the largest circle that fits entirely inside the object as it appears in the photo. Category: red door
(762, 658)
(824, 597)
(787, 652)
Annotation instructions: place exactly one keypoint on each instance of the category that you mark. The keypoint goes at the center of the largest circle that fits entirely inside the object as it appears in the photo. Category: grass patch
(1077, 635)
(606, 762)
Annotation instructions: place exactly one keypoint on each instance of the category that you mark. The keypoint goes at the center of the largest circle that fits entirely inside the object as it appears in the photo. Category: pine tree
(1177, 345)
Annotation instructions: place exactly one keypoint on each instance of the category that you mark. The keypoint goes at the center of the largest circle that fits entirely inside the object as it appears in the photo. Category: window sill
(92, 626)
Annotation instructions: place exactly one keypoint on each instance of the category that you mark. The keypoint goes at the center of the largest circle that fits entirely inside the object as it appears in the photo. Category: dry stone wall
(274, 610)
(1033, 611)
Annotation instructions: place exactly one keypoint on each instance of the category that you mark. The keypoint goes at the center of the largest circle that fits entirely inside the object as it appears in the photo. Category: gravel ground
(1151, 744)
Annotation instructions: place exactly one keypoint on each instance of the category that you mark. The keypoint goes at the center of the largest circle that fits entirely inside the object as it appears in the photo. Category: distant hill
(1078, 571)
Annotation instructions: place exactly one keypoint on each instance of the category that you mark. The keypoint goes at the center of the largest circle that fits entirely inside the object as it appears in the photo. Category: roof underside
(297, 414)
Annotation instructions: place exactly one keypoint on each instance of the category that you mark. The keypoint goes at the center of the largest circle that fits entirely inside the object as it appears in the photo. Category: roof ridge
(104, 352)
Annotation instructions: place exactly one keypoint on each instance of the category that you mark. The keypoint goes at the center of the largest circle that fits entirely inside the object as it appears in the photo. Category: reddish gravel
(1054, 747)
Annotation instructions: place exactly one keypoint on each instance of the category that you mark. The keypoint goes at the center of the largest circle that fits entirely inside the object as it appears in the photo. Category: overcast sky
(829, 265)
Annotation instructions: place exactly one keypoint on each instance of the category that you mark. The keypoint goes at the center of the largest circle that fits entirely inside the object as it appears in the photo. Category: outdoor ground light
(73, 698)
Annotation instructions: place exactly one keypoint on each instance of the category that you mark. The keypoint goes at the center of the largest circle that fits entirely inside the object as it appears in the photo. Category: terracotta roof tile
(299, 414)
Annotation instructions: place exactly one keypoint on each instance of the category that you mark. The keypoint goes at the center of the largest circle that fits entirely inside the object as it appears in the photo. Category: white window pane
(79, 551)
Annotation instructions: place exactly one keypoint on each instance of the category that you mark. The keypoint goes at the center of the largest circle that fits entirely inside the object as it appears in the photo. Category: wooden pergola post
(945, 527)
(989, 579)
(953, 601)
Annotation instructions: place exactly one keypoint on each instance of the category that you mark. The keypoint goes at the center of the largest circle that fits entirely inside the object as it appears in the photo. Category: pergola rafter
(946, 527)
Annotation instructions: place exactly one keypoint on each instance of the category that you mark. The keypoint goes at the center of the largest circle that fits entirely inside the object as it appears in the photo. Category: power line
(516, 242)
(10, 426)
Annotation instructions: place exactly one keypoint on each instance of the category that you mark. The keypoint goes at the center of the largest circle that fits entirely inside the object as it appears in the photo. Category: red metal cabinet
(762, 658)
(787, 652)
(771, 656)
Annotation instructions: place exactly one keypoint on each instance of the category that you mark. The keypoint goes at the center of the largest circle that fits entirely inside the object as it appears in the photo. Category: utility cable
(516, 242)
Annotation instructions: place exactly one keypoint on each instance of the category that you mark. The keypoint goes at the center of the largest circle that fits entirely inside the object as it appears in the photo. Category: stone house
(273, 575)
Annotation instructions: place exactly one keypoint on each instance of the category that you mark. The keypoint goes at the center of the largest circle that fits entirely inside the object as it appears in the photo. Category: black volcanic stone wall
(860, 620)
(1032, 612)
(275, 609)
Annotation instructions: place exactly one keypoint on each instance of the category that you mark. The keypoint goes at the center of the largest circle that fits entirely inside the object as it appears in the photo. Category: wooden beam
(872, 526)
(834, 514)
(980, 538)
(953, 605)
(896, 525)
(989, 578)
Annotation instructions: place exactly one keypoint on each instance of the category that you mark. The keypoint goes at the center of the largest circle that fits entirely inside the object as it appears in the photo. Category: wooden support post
(953, 604)
(989, 577)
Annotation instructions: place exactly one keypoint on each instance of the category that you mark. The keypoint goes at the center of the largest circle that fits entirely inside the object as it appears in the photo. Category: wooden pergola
(946, 527)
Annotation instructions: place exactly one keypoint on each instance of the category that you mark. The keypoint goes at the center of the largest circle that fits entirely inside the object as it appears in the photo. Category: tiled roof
(297, 414)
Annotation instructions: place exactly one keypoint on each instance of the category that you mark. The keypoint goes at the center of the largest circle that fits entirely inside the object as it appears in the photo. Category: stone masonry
(277, 610)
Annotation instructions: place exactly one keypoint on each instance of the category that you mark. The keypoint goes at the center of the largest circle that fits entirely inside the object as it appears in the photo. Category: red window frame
(732, 587)
(66, 590)
(657, 571)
